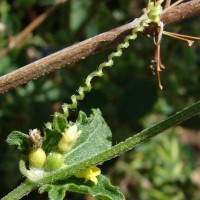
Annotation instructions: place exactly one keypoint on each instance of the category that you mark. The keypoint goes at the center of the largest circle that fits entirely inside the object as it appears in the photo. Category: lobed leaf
(20, 139)
(104, 190)
(94, 139)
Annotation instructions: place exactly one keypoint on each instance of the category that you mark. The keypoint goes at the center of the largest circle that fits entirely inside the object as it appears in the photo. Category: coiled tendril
(153, 15)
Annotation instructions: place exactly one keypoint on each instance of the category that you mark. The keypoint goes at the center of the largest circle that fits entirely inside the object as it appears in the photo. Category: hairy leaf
(59, 122)
(94, 139)
(20, 139)
(52, 132)
(104, 190)
(50, 140)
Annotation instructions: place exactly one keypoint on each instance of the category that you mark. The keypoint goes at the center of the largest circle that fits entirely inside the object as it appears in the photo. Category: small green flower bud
(68, 139)
(54, 161)
(37, 158)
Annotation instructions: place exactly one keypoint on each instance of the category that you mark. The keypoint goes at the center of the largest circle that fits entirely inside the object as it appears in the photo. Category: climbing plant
(64, 157)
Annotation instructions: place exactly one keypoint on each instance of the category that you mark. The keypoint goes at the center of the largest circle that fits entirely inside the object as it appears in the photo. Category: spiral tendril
(153, 15)
(155, 10)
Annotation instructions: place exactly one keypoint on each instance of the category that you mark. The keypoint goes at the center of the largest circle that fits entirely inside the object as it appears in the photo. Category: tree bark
(90, 46)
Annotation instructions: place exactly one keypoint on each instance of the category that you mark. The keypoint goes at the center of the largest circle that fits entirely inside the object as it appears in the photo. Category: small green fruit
(37, 158)
(54, 161)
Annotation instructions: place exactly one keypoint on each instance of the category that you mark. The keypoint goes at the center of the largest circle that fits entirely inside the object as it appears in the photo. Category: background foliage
(127, 95)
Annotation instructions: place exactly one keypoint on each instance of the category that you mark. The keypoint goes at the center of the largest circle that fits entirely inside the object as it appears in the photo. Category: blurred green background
(167, 167)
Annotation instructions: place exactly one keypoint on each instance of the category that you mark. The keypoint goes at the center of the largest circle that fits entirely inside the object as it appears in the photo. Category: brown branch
(24, 33)
(88, 47)
(20, 38)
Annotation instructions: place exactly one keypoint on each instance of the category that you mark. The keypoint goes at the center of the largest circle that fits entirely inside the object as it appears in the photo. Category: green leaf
(59, 122)
(104, 190)
(94, 139)
(50, 140)
(52, 132)
(20, 139)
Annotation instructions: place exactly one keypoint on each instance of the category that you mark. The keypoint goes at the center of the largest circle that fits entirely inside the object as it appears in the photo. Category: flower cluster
(55, 160)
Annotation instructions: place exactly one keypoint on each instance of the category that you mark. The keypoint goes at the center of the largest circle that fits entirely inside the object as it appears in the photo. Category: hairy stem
(128, 144)
(116, 150)
(22, 190)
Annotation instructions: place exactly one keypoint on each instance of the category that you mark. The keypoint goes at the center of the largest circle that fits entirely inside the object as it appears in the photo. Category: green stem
(127, 145)
(22, 190)
(116, 150)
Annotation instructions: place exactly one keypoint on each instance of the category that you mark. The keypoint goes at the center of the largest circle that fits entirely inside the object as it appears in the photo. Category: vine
(75, 148)
(153, 11)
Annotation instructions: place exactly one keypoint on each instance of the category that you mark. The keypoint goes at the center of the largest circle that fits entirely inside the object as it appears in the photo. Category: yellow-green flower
(68, 139)
(90, 174)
